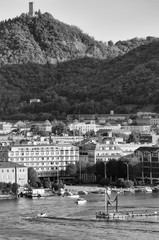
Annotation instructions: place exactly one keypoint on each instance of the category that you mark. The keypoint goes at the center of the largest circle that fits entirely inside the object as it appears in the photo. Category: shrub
(104, 182)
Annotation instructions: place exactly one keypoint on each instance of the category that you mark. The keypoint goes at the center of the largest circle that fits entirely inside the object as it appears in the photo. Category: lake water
(72, 221)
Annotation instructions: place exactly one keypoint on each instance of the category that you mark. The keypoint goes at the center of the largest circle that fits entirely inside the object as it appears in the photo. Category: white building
(87, 127)
(5, 127)
(136, 128)
(45, 159)
(13, 173)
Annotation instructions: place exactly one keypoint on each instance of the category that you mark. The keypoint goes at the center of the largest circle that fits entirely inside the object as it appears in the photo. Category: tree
(59, 128)
(71, 169)
(33, 178)
(14, 188)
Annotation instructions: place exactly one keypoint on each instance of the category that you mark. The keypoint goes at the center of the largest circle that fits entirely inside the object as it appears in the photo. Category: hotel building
(47, 160)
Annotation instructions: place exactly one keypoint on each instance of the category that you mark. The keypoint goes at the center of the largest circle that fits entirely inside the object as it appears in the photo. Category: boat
(72, 195)
(42, 215)
(81, 201)
(155, 189)
(148, 189)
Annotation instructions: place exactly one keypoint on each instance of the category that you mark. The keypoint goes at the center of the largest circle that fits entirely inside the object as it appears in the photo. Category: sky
(102, 19)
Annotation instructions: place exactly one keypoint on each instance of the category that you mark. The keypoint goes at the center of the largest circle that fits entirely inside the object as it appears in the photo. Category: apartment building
(46, 159)
(105, 152)
(13, 173)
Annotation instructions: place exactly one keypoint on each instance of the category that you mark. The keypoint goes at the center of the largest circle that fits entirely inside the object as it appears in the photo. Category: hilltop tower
(31, 9)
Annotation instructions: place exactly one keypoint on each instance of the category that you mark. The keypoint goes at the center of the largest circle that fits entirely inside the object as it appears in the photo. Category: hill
(41, 39)
(70, 72)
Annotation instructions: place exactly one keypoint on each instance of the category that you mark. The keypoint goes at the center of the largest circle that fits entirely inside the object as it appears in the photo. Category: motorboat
(81, 201)
(148, 189)
(42, 215)
(72, 195)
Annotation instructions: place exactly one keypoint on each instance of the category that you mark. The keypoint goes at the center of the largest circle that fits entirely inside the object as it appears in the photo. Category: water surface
(72, 221)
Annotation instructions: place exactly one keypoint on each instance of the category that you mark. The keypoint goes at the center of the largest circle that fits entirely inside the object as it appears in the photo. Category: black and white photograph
(79, 120)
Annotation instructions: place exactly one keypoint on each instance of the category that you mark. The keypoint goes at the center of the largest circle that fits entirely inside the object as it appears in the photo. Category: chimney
(31, 12)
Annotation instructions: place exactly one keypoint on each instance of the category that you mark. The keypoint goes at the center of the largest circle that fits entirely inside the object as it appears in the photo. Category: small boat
(81, 201)
(72, 195)
(42, 215)
(148, 189)
(155, 189)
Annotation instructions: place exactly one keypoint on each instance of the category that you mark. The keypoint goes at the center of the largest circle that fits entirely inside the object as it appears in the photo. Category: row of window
(71, 153)
(11, 170)
(45, 149)
(41, 159)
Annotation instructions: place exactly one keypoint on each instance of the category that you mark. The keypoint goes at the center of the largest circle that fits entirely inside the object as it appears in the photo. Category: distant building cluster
(48, 148)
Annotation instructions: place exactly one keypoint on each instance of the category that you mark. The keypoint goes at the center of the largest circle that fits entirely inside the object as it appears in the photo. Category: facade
(47, 160)
(134, 128)
(87, 152)
(149, 157)
(143, 121)
(13, 173)
(66, 139)
(105, 152)
(154, 121)
(83, 127)
(5, 127)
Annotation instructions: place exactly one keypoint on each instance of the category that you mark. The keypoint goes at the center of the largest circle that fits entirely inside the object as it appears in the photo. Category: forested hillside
(41, 39)
(72, 73)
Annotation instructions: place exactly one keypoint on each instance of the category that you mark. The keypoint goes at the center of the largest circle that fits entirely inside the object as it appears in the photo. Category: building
(136, 128)
(31, 9)
(35, 100)
(46, 159)
(13, 173)
(66, 139)
(105, 152)
(5, 127)
(154, 121)
(83, 127)
(87, 152)
(149, 158)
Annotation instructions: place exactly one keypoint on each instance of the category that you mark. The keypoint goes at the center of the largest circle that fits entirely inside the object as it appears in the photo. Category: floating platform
(126, 215)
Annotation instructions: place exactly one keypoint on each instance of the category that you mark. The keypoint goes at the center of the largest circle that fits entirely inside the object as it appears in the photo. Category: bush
(124, 183)
(128, 184)
(120, 182)
(104, 182)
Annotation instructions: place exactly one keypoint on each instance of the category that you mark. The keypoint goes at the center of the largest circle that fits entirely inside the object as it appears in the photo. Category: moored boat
(72, 195)
(42, 215)
(81, 201)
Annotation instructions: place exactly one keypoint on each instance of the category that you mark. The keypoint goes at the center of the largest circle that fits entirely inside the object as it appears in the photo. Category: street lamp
(80, 168)
(127, 170)
(105, 169)
(57, 173)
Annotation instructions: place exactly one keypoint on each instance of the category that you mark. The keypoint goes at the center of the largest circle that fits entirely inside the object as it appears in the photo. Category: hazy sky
(103, 19)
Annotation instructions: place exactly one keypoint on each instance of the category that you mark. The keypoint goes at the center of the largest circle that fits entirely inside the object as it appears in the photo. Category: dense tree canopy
(70, 72)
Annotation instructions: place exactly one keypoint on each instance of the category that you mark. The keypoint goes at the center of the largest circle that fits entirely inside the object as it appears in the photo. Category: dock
(125, 215)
